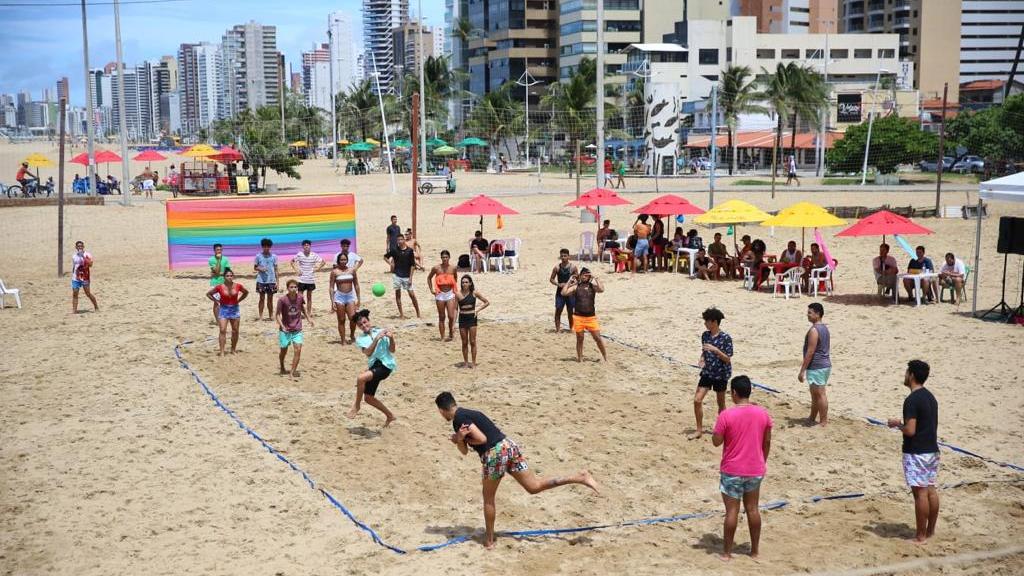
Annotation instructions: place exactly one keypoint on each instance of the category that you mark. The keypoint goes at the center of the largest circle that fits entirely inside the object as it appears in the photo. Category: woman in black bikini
(468, 297)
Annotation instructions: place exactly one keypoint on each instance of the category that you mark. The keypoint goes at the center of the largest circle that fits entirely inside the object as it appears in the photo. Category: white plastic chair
(483, 261)
(788, 279)
(513, 245)
(5, 292)
(819, 276)
(748, 276)
(497, 262)
(587, 246)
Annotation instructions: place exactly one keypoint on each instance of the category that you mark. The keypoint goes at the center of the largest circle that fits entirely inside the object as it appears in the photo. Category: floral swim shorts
(503, 457)
(920, 470)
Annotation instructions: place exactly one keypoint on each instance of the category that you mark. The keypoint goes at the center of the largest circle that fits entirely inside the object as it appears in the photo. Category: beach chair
(496, 258)
(748, 276)
(512, 246)
(5, 292)
(789, 279)
(483, 262)
(586, 246)
(821, 278)
(963, 291)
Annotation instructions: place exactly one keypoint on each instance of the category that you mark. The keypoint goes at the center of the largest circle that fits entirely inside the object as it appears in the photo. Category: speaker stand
(1002, 309)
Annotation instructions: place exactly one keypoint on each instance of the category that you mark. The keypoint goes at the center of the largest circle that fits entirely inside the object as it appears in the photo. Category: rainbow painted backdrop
(194, 225)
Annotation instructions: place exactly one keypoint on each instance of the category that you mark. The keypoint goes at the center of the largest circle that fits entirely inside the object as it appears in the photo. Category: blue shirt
(921, 264)
(714, 367)
(269, 262)
(381, 352)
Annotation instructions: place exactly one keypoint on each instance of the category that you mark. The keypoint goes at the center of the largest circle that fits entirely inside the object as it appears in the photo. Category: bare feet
(470, 365)
(283, 371)
(696, 435)
(295, 374)
(220, 353)
(589, 482)
(489, 544)
(449, 338)
(725, 557)
(918, 540)
(352, 413)
(389, 421)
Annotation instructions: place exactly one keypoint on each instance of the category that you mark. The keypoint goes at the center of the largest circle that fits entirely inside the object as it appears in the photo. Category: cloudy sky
(42, 39)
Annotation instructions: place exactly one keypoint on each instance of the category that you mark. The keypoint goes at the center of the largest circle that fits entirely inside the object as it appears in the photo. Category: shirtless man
(441, 282)
(499, 456)
(586, 288)
(560, 275)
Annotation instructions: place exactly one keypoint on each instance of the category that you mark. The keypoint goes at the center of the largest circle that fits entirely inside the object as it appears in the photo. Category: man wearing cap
(584, 317)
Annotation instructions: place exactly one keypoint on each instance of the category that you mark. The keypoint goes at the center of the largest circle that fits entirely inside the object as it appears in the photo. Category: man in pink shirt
(746, 431)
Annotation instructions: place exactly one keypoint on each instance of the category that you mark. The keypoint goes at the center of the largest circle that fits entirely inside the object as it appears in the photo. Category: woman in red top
(231, 295)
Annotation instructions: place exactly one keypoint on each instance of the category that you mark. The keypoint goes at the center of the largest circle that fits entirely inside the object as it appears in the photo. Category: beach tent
(1006, 189)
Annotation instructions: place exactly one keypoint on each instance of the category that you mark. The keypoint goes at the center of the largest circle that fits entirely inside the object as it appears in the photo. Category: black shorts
(715, 384)
(303, 287)
(467, 320)
(266, 288)
(380, 373)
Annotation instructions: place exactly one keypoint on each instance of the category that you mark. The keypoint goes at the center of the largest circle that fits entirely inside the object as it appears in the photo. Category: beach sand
(114, 461)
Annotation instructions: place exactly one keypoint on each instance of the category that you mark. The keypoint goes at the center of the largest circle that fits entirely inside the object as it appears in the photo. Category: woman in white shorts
(441, 282)
(344, 296)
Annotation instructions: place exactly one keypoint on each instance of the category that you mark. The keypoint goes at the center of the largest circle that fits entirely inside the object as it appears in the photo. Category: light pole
(423, 105)
(527, 81)
(827, 112)
(126, 194)
(334, 118)
(89, 128)
(871, 123)
(600, 98)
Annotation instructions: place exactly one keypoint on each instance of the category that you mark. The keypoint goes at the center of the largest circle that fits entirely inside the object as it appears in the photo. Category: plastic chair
(677, 260)
(788, 279)
(5, 292)
(496, 260)
(963, 290)
(821, 277)
(512, 246)
(748, 276)
(472, 256)
(587, 246)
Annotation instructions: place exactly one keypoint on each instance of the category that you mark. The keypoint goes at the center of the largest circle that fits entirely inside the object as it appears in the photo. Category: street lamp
(871, 123)
(527, 81)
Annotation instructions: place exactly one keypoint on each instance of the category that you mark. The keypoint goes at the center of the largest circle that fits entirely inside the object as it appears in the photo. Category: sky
(42, 39)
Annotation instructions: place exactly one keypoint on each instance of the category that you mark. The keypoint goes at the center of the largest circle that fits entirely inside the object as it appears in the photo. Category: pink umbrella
(598, 197)
(149, 156)
(481, 205)
(227, 155)
(669, 205)
(883, 223)
(101, 157)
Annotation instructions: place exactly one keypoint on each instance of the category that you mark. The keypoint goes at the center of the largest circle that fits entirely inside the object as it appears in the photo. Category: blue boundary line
(774, 505)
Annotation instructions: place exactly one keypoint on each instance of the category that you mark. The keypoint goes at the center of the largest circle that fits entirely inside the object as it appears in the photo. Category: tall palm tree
(574, 101)
(738, 94)
(357, 108)
(778, 89)
(808, 98)
(495, 115)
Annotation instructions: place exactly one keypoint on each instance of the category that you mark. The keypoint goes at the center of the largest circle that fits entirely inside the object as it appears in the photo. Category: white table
(917, 283)
(693, 253)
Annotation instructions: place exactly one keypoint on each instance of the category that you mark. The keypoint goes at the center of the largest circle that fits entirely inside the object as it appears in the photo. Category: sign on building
(849, 108)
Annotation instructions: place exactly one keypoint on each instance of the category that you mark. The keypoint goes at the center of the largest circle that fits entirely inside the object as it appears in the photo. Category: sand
(113, 460)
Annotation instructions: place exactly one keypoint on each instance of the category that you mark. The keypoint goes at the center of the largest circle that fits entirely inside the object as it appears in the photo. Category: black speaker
(1011, 235)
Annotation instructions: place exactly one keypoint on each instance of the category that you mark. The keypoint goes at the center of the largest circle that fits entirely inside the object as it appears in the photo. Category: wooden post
(942, 146)
(60, 190)
(415, 157)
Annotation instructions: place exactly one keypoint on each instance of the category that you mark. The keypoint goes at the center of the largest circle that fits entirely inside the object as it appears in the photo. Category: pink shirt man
(743, 427)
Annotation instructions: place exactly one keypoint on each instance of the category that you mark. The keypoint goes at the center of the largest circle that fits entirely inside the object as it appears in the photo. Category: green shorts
(818, 377)
(286, 339)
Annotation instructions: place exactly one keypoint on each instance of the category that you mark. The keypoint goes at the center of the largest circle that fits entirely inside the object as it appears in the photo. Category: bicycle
(30, 190)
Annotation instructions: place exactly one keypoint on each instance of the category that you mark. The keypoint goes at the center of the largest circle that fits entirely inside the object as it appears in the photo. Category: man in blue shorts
(715, 366)
(817, 362)
(498, 455)
(920, 427)
(265, 266)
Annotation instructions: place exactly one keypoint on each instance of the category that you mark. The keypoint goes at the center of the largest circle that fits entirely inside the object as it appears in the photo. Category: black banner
(849, 108)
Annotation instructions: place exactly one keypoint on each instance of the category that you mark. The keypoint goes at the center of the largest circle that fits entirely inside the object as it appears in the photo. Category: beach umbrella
(733, 212)
(591, 146)
(149, 156)
(199, 151)
(37, 160)
(804, 215)
(596, 197)
(669, 205)
(227, 155)
(445, 151)
(884, 223)
(343, 142)
(360, 147)
(372, 141)
(435, 142)
(299, 144)
(481, 205)
(402, 143)
(471, 141)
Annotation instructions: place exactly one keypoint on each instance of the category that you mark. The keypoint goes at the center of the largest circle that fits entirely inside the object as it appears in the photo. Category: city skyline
(166, 27)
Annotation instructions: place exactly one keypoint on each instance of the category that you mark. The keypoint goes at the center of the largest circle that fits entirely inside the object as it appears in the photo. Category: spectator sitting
(479, 247)
(758, 266)
(791, 255)
(624, 256)
(746, 253)
(916, 266)
(678, 239)
(703, 266)
(693, 241)
(602, 237)
(952, 275)
(886, 269)
(816, 259)
(720, 254)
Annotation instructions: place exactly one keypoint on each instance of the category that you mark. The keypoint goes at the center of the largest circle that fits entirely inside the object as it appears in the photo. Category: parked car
(700, 163)
(969, 164)
(932, 165)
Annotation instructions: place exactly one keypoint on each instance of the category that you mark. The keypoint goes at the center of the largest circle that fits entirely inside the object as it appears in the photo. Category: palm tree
(778, 92)
(809, 97)
(738, 94)
(357, 108)
(495, 115)
(574, 100)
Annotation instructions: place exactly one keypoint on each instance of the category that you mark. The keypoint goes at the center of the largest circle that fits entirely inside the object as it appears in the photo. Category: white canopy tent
(1006, 189)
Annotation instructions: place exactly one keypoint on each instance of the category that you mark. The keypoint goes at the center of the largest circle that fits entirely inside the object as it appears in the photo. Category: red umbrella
(481, 206)
(82, 159)
(227, 155)
(883, 223)
(149, 156)
(669, 205)
(598, 197)
(106, 156)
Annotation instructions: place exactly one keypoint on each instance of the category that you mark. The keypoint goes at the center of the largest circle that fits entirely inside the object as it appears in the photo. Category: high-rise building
(380, 18)
(316, 74)
(200, 86)
(928, 32)
(341, 26)
(296, 84)
(578, 36)
(62, 89)
(989, 34)
(505, 36)
(360, 68)
(791, 16)
(406, 51)
(440, 42)
(141, 101)
(251, 67)
(457, 48)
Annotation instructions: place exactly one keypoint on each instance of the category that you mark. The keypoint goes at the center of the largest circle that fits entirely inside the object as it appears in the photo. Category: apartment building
(380, 18)
(791, 16)
(316, 77)
(341, 24)
(251, 67)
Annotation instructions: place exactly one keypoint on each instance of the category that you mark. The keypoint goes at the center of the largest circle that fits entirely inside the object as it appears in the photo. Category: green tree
(358, 110)
(894, 141)
(738, 94)
(258, 137)
(996, 134)
(778, 91)
(495, 115)
(808, 97)
(574, 102)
